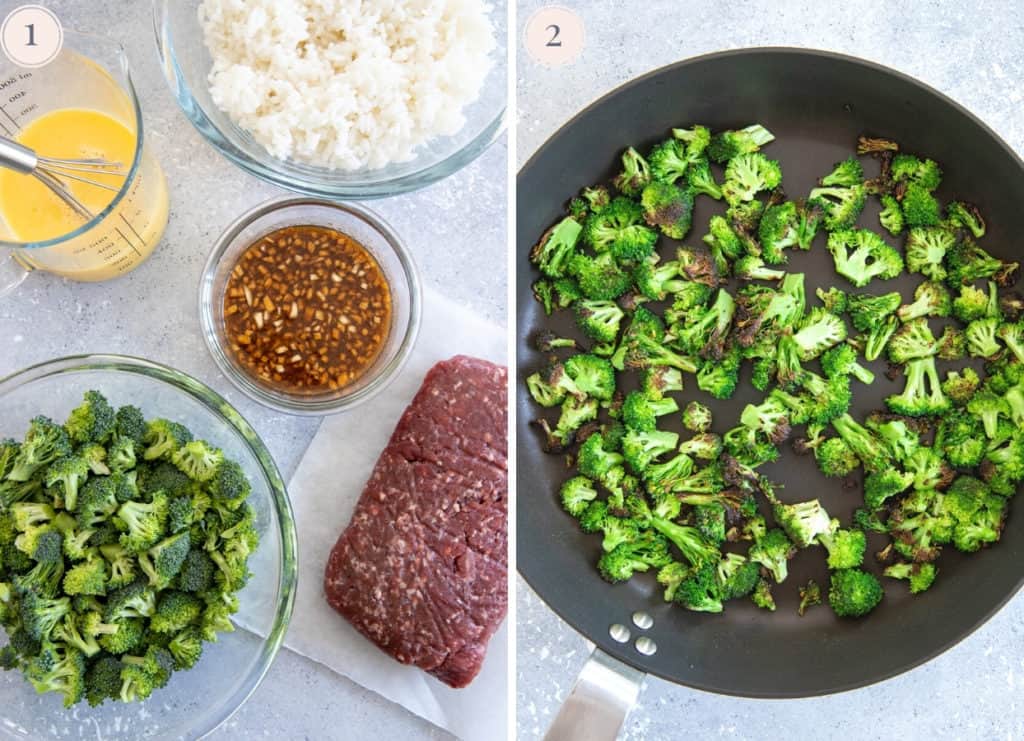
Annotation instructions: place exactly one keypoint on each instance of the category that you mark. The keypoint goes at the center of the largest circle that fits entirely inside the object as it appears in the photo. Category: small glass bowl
(197, 701)
(186, 64)
(363, 226)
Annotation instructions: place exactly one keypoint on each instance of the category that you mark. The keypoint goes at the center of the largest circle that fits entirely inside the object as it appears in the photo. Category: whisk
(54, 173)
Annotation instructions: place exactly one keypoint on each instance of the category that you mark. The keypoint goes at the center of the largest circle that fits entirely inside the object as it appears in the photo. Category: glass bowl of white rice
(335, 98)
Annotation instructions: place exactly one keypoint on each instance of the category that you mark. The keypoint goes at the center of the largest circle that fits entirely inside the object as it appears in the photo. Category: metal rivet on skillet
(619, 633)
(646, 646)
(642, 620)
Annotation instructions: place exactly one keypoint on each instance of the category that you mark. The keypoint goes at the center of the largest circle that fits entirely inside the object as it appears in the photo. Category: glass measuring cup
(90, 74)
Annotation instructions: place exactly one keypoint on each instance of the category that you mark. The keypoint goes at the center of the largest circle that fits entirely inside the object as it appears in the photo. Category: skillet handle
(596, 709)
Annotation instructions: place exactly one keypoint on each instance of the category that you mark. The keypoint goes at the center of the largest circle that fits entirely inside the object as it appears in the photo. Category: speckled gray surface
(153, 313)
(973, 52)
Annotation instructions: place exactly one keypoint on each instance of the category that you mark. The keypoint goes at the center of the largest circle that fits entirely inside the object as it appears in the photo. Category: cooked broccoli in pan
(935, 466)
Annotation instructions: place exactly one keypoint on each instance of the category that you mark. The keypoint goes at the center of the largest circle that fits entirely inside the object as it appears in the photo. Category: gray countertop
(153, 313)
(971, 52)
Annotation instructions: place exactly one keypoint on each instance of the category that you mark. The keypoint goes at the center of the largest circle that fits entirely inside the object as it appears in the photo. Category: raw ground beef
(421, 569)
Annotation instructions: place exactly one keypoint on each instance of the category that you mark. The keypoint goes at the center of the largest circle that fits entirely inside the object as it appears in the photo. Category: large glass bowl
(186, 64)
(195, 702)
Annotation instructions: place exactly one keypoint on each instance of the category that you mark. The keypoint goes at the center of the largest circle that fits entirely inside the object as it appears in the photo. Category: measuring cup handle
(12, 272)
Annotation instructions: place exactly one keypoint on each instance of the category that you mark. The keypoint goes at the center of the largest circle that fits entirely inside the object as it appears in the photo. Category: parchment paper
(324, 491)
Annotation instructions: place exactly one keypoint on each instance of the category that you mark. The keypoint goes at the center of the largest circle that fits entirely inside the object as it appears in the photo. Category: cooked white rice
(347, 84)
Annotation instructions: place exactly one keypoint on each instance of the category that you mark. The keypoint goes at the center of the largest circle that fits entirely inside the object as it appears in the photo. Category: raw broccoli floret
(162, 562)
(67, 474)
(861, 256)
(44, 443)
(121, 455)
(197, 459)
(91, 422)
(920, 575)
(58, 668)
(143, 523)
(163, 438)
(88, 577)
(853, 592)
(103, 680)
(229, 484)
(96, 456)
(175, 611)
(196, 572)
(636, 173)
(728, 144)
(930, 299)
(667, 207)
(132, 601)
(186, 648)
(555, 250)
(121, 563)
(773, 551)
(40, 614)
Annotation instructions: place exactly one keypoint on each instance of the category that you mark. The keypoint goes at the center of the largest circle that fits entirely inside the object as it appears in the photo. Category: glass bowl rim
(266, 168)
(224, 411)
(284, 402)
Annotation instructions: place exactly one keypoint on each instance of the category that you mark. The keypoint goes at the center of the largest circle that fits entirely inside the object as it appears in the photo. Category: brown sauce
(307, 309)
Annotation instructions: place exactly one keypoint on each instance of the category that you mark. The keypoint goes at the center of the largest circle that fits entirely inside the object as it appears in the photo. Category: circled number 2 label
(31, 36)
(554, 36)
